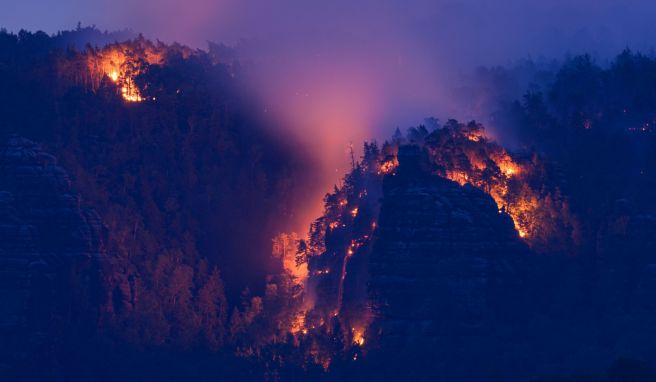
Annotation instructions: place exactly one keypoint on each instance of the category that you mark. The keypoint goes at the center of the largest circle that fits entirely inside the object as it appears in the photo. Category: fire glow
(358, 337)
(488, 166)
(319, 263)
(122, 63)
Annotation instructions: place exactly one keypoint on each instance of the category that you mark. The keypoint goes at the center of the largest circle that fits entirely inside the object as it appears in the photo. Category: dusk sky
(489, 31)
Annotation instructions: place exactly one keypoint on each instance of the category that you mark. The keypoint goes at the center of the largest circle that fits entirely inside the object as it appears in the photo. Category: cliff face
(443, 258)
(457, 293)
(49, 248)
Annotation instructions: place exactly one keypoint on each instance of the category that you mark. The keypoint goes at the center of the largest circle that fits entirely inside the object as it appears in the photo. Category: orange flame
(122, 63)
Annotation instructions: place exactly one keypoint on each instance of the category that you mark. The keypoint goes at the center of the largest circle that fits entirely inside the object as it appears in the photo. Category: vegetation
(192, 185)
(187, 182)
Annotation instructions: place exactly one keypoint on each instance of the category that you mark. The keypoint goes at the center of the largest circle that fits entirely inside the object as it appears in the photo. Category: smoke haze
(345, 71)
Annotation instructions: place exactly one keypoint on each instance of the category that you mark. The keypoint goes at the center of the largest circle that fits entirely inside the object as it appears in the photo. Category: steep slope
(444, 258)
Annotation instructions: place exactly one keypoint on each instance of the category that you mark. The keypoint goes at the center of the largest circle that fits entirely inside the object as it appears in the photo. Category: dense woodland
(192, 184)
(191, 188)
(597, 123)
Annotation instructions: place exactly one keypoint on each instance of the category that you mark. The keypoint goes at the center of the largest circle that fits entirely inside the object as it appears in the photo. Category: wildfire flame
(113, 75)
(460, 153)
(388, 166)
(466, 155)
(358, 337)
(298, 325)
(122, 63)
(285, 247)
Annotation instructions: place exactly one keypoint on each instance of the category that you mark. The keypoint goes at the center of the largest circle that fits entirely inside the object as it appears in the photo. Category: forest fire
(120, 63)
(498, 188)
(155, 227)
(285, 247)
(318, 265)
(388, 166)
(463, 154)
(323, 269)
(358, 337)
(298, 325)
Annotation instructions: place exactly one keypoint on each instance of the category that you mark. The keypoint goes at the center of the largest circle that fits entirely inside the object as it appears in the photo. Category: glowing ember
(475, 135)
(113, 75)
(299, 324)
(130, 92)
(508, 170)
(388, 166)
(358, 337)
(122, 64)
(354, 212)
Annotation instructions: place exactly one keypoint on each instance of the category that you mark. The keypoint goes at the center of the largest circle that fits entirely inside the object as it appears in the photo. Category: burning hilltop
(331, 266)
(521, 186)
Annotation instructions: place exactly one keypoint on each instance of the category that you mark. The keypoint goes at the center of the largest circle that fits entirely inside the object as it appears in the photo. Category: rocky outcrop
(457, 294)
(49, 251)
(443, 261)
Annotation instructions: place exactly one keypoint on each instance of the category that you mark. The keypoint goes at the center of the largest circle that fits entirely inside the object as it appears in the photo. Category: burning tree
(119, 64)
(520, 188)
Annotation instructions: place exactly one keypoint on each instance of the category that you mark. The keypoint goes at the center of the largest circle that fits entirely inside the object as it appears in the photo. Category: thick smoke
(343, 71)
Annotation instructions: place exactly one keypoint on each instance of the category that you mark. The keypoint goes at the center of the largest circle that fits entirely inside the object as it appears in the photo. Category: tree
(211, 308)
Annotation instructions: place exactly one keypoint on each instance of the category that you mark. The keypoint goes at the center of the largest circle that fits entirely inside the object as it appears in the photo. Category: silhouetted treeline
(596, 124)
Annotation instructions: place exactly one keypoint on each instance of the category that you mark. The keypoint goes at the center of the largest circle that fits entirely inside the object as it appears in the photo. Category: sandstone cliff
(49, 250)
(444, 257)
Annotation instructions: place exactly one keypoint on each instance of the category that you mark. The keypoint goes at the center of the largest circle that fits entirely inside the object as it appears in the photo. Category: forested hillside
(190, 182)
(148, 202)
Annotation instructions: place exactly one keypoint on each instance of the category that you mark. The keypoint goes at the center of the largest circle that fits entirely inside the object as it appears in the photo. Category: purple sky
(349, 70)
(494, 29)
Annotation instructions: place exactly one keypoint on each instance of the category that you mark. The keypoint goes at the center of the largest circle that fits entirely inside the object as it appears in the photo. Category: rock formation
(444, 254)
(49, 248)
